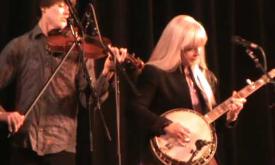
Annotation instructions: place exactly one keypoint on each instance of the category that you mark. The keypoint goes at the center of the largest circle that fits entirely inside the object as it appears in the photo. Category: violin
(61, 42)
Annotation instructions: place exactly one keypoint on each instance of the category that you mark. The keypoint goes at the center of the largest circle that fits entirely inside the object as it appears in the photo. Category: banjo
(203, 141)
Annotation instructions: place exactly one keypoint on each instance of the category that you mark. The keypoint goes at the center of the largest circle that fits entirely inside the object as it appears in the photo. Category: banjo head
(199, 151)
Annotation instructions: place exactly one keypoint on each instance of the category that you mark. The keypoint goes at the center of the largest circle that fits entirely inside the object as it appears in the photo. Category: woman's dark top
(160, 91)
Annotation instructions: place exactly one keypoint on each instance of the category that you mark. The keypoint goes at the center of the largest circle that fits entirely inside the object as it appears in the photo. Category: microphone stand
(258, 65)
(119, 68)
(107, 49)
(251, 54)
(91, 94)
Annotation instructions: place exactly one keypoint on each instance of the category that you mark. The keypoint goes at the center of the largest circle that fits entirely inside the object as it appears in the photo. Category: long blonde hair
(182, 32)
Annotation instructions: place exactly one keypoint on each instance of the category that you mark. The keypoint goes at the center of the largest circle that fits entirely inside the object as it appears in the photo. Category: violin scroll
(134, 61)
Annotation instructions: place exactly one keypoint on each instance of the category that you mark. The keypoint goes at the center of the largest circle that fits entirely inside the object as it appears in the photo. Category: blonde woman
(175, 76)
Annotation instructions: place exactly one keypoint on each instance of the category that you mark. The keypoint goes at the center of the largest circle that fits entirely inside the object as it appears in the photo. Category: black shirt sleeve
(140, 104)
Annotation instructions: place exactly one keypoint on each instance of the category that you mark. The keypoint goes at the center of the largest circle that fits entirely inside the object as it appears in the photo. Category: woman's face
(191, 56)
(56, 15)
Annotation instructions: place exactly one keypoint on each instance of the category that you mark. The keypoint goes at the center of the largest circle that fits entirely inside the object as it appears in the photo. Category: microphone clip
(245, 43)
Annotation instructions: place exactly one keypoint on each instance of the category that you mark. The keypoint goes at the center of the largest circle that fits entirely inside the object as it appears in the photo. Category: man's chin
(60, 25)
(63, 25)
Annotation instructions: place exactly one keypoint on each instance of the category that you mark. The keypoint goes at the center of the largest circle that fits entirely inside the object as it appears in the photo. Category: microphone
(272, 106)
(241, 41)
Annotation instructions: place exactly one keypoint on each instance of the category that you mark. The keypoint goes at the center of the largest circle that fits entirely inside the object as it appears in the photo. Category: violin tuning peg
(249, 82)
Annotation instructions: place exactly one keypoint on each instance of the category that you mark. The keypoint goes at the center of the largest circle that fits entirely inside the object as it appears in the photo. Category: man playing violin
(48, 134)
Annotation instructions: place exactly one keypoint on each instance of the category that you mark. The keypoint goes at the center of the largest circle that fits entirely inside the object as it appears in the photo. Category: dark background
(137, 24)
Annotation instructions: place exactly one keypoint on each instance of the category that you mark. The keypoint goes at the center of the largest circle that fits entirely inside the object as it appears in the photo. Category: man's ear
(42, 9)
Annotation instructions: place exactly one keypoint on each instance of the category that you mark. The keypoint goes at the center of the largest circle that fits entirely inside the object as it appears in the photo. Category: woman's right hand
(179, 132)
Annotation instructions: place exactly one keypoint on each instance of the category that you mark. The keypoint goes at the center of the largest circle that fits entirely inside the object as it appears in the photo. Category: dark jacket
(160, 91)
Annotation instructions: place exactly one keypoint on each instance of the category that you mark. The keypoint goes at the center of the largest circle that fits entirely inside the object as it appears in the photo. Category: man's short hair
(48, 3)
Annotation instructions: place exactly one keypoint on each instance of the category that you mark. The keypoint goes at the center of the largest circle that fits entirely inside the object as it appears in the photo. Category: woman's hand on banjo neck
(237, 103)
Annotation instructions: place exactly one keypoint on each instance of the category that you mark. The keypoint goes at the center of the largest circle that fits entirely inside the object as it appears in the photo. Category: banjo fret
(244, 92)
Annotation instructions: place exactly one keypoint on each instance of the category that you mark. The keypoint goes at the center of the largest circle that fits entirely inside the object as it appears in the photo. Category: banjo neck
(244, 92)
